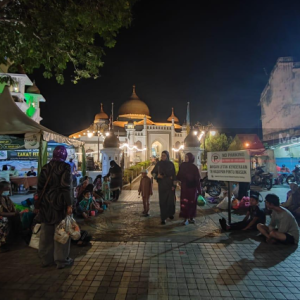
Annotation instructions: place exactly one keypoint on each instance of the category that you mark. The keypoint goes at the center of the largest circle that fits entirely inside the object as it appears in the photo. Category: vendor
(31, 172)
(9, 217)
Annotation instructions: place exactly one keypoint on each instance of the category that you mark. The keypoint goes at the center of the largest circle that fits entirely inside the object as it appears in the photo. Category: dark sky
(210, 53)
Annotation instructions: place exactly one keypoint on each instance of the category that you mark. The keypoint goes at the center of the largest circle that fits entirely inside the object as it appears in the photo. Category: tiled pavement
(137, 258)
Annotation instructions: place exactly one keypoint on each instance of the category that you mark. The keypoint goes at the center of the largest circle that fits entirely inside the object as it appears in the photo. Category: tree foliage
(236, 145)
(53, 33)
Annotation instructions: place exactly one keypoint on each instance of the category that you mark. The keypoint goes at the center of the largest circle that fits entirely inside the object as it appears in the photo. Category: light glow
(89, 134)
(132, 148)
(213, 133)
(107, 133)
(195, 132)
(176, 150)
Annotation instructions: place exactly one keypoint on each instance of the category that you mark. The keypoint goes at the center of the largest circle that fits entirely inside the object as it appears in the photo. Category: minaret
(146, 137)
(112, 116)
(188, 121)
(172, 134)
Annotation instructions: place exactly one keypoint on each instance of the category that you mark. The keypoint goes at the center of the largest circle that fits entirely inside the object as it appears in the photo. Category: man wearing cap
(253, 217)
(283, 226)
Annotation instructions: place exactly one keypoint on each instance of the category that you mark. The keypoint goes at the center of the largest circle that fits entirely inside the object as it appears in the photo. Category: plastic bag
(235, 203)
(64, 230)
(35, 237)
(201, 201)
(245, 202)
(223, 204)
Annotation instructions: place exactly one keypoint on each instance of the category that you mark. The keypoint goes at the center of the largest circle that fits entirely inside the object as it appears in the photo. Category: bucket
(93, 213)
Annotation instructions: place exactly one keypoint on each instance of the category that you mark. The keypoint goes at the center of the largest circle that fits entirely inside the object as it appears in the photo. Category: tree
(236, 145)
(53, 33)
(218, 142)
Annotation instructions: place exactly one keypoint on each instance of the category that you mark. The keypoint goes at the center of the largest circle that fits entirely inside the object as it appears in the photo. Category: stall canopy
(14, 121)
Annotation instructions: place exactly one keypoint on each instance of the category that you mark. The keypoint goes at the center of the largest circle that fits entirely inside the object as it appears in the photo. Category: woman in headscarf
(164, 173)
(190, 188)
(115, 174)
(54, 205)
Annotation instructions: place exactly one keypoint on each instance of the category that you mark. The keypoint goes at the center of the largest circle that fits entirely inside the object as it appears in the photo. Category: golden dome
(134, 106)
(173, 117)
(102, 115)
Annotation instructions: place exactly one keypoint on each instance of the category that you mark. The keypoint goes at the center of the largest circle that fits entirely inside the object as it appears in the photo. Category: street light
(90, 134)
(213, 133)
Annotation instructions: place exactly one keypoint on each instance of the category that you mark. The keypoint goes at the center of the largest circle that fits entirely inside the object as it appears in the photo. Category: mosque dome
(33, 89)
(134, 106)
(191, 141)
(111, 141)
(102, 115)
(173, 117)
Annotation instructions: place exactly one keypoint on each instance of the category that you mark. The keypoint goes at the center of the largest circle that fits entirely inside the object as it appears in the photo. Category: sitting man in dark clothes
(283, 226)
(253, 217)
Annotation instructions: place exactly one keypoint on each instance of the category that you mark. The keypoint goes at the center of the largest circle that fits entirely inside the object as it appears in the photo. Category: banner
(32, 140)
(11, 142)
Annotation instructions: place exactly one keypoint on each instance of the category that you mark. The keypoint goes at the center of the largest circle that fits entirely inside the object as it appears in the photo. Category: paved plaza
(133, 257)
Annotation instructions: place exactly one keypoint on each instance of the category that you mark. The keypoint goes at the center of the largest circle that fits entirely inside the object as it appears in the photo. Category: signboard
(229, 166)
(32, 140)
(11, 142)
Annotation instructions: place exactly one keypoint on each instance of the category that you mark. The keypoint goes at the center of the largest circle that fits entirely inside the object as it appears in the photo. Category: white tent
(14, 121)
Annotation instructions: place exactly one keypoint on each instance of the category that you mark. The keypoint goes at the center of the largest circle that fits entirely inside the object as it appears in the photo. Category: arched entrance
(156, 149)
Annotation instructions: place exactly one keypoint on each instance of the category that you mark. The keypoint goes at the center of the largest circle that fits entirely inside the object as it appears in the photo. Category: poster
(32, 140)
(229, 166)
(11, 142)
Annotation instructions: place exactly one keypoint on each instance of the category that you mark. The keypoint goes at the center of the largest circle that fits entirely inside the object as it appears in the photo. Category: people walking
(189, 177)
(115, 173)
(54, 204)
(145, 189)
(164, 173)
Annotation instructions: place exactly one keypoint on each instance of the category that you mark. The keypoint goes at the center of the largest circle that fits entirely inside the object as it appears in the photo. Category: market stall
(14, 123)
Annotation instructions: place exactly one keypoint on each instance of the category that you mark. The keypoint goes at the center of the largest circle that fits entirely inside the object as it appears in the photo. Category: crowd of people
(54, 203)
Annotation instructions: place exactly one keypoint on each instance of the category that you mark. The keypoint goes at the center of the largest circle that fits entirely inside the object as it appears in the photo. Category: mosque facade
(133, 134)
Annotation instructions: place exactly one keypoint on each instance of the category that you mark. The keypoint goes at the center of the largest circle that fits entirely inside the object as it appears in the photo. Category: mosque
(133, 134)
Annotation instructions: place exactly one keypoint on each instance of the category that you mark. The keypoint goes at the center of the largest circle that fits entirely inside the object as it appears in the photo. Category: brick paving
(133, 257)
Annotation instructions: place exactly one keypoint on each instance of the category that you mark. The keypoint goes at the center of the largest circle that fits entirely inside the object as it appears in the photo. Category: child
(146, 190)
(85, 205)
(253, 217)
(106, 188)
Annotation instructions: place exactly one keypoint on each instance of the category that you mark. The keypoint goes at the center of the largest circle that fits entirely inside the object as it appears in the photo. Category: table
(27, 181)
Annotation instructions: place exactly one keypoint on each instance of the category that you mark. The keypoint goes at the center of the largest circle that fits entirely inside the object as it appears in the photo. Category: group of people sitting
(93, 198)
(13, 172)
(282, 228)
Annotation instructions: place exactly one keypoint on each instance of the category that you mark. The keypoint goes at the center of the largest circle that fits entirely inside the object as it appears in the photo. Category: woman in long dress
(53, 207)
(190, 187)
(164, 173)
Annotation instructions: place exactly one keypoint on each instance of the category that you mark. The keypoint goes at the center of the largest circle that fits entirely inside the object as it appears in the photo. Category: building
(140, 137)
(25, 93)
(280, 111)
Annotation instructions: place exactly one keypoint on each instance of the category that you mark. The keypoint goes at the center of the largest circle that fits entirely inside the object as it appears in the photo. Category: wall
(280, 100)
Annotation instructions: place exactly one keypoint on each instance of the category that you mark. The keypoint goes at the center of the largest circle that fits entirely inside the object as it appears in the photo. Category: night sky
(214, 54)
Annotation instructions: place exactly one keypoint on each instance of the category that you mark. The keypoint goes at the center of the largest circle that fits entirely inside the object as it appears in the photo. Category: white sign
(229, 166)
(32, 140)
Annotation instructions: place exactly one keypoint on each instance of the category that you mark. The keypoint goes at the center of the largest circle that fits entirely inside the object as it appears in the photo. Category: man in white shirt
(283, 226)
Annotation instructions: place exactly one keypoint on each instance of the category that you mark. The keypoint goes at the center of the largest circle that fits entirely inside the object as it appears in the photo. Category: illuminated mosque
(133, 134)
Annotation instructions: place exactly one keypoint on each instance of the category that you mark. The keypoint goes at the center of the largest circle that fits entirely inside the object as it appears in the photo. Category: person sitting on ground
(145, 189)
(85, 205)
(253, 217)
(31, 172)
(283, 226)
(293, 200)
(106, 188)
(98, 185)
(10, 222)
